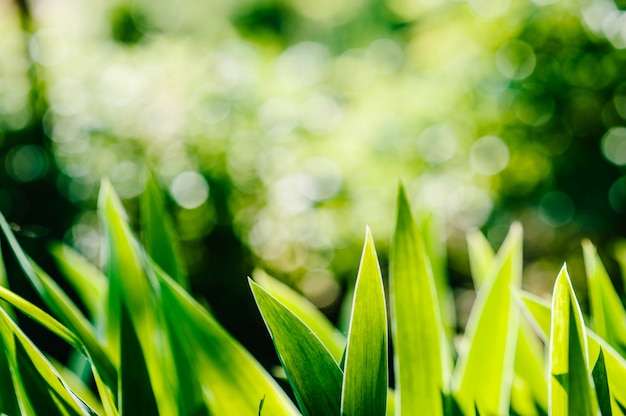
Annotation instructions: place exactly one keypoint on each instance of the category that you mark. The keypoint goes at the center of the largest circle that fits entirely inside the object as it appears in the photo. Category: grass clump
(151, 348)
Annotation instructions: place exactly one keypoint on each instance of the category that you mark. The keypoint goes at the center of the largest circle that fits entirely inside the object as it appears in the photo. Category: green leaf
(529, 373)
(539, 312)
(607, 312)
(571, 387)
(40, 389)
(421, 360)
(40, 317)
(63, 307)
(158, 236)
(313, 373)
(433, 232)
(330, 337)
(87, 280)
(233, 382)
(481, 257)
(601, 384)
(530, 388)
(364, 389)
(8, 399)
(485, 366)
(47, 321)
(136, 322)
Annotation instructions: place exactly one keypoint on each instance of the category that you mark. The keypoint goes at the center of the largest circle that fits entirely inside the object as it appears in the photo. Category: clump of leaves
(150, 348)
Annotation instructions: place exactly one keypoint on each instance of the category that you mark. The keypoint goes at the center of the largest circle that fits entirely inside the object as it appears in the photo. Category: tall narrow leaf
(365, 373)
(420, 351)
(85, 278)
(485, 367)
(136, 320)
(40, 389)
(607, 312)
(8, 400)
(481, 256)
(313, 373)
(432, 229)
(63, 307)
(530, 389)
(540, 314)
(571, 387)
(159, 239)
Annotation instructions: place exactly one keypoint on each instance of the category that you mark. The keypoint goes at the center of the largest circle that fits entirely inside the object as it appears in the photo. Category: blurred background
(279, 129)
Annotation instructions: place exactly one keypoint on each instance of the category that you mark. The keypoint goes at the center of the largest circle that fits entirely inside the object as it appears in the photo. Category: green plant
(152, 349)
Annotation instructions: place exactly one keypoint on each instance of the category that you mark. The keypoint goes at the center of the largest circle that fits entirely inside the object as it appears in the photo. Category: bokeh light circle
(189, 189)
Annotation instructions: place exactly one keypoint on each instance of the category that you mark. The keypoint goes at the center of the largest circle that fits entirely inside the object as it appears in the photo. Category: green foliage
(152, 348)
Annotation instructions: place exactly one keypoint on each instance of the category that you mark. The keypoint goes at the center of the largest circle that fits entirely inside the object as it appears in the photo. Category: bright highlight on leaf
(421, 360)
(607, 311)
(365, 372)
(485, 367)
(571, 386)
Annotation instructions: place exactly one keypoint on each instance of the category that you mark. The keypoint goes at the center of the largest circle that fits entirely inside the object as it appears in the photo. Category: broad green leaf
(136, 320)
(421, 358)
(570, 386)
(313, 373)
(333, 340)
(539, 312)
(364, 390)
(485, 366)
(86, 279)
(607, 311)
(529, 387)
(233, 382)
(62, 307)
(158, 236)
(601, 383)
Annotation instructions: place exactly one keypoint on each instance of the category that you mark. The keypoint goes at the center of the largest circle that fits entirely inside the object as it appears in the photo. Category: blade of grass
(40, 387)
(421, 358)
(538, 310)
(300, 351)
(333, 340)
(601, 384)
(364, 390)
(433, 234)
(86, 279)
(8, 400)
(570, 387)
(485, 367)
(63, 307)
(158, 236)
(48, 322)
(529, 362)
(77, 385)
(607, 312)
(139, 321)
(481, 257)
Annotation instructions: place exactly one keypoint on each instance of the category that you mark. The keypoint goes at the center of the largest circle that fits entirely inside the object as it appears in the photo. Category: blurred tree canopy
(280, 128)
